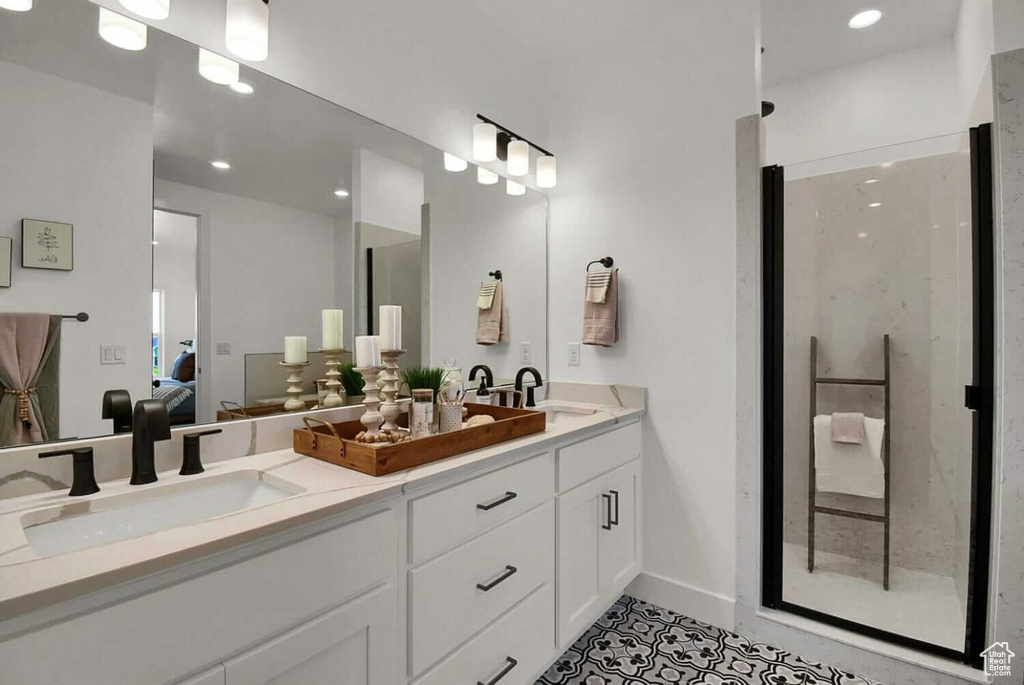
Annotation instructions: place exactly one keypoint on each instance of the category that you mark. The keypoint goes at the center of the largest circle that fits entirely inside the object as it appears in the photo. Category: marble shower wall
(854, 273)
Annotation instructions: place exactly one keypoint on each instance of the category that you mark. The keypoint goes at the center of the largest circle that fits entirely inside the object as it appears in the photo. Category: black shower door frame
(979, 397)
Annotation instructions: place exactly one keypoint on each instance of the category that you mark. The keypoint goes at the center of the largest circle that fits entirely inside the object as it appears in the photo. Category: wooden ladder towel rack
(812, 507)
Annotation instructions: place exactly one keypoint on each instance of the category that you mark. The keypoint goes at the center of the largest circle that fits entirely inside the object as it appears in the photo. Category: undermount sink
(91, 523)
(555, 411)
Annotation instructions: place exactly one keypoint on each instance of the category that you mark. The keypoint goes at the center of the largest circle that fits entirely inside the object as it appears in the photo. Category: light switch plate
(525, 353)
(223, 348)
(574, 354)
(112, 355)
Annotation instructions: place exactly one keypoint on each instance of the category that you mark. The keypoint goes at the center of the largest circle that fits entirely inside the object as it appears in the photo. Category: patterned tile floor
(636, 643)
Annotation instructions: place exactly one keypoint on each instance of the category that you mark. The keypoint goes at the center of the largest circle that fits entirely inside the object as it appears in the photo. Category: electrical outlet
(525, 353)
(574, 354)
(223, 348)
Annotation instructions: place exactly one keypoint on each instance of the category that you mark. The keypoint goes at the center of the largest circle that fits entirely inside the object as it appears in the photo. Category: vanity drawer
(519, 644)
(445, 519)
(590, 458)
(454, 596)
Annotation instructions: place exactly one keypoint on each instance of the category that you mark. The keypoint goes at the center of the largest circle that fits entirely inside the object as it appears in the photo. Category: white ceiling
(805, 37)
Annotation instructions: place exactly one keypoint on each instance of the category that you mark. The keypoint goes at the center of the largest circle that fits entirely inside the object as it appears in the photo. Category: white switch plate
(525, 353)
(574, 354)
(111, 355)
(223, 348)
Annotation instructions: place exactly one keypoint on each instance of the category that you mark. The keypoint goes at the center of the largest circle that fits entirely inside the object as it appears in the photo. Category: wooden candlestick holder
(389, 383)
(372, 417)
(335, 395)
(294, 403)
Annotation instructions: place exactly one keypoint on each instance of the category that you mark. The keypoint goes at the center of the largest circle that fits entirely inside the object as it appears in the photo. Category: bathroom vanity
(479, 568)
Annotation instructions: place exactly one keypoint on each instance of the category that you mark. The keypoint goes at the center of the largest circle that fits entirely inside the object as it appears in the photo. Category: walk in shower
(877, 379)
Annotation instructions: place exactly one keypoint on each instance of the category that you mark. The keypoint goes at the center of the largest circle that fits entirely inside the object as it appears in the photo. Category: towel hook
(606, 262)
(80, 316)
(496, 274)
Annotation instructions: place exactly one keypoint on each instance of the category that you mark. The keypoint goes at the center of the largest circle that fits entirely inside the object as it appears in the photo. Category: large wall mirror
(198, 224)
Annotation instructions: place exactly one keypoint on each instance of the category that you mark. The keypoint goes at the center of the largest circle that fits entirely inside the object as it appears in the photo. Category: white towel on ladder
(849, 468)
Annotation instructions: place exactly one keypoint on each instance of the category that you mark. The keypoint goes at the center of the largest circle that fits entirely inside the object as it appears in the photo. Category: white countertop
(29, 583)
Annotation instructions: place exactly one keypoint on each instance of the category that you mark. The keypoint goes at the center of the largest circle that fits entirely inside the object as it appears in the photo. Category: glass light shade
(242, 88)
(485, 142)
(453, 163)
(487, 178)
(16, 5)
(150, 9)
(247, 31)
(518, 158)
(218, 69)
(513, 188)
(546, 176)
(122, 32)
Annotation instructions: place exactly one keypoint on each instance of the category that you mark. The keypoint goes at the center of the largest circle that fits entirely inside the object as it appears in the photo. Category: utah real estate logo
(997, 659)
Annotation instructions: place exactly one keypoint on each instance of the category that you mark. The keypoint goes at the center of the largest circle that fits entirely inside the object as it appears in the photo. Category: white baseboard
(707, 607)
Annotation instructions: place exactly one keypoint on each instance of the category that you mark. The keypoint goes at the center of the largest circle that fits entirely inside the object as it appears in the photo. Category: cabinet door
(618, 548)
(580, 519)
(352, 644)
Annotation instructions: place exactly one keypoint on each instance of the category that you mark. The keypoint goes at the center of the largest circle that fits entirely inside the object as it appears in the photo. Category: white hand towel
(849, 468)
(486, 297)
(597, 286)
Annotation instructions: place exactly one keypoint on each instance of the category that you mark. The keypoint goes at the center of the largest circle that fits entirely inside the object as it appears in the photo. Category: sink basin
(90, 523)
(557, 411)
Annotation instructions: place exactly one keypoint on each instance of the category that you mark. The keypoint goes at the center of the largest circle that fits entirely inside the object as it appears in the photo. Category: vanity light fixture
(864, 19)
(453, 163)
(513, 148)
(485, 142)
(486, 177)
(247, 30)
(16, 5)
(220, 70)
(341, 192)
(242, 88)
(122, 32)
(513, 188)
(150, 9)
(219, 164)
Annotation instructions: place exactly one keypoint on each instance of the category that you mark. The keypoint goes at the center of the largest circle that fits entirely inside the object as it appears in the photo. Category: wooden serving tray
(334, 442)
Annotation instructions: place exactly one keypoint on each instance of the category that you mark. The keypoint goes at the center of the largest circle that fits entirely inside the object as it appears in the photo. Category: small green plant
(424, 378)
(351, 380)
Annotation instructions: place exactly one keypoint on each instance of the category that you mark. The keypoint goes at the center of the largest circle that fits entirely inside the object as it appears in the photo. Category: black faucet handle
(84, 482)
(191, 463)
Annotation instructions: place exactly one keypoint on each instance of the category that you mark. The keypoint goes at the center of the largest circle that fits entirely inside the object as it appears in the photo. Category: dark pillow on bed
(177, 364)
(187, 368)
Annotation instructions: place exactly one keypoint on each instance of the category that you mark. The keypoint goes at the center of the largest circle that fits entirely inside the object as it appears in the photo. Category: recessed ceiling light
(871, 180)
(862, 235)
(875, 204)
(864, 19)
(218, 164)
(242, 88)
(341, 192)
(886, 165)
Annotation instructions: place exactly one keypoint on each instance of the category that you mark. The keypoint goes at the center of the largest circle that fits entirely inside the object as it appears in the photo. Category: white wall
(94, 171)
(1008, 17)
(644, 129)
(476, 229)
(974, 42)
(906, 96)
(386, 193)
(266, 271)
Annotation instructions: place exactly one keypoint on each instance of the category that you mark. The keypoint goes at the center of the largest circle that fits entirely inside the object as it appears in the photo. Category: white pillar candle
(332, 329)
(367, 350)
(390, 327)
(295, 349)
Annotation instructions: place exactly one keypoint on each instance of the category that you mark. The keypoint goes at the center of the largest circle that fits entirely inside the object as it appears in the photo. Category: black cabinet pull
(614, 521)
(507, 497)
(510, 663)
(608, 511)
(508, 573)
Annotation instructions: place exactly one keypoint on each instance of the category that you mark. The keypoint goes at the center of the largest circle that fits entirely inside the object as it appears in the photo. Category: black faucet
(117, 405)
(150, 423)
(85, 479)
(486, 381)
(191, 464)
(537, 382)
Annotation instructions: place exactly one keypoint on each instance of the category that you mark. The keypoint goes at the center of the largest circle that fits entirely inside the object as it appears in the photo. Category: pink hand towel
(601, 319)
(491, 323)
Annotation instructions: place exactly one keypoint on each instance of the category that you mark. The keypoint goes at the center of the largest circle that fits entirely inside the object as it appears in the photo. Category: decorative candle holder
(334, 394)
(294, 385)
(389, 387)
(371, 418)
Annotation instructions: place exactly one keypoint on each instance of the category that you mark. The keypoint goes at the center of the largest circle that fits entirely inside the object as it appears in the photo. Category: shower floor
(918, 605)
